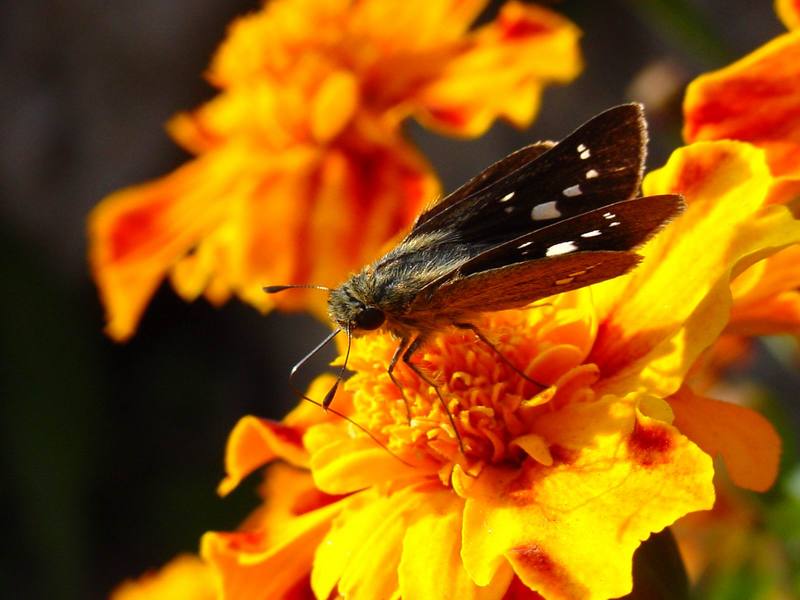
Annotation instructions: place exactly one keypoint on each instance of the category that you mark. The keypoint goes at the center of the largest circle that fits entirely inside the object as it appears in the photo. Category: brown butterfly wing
(487, 177)
(520, 284)
(598, 164)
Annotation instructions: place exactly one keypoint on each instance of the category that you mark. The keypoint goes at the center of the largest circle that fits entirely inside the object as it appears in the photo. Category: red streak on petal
(454, 117)
(514, 28)
(518, 591)
(283, 433)
(691, 175)
(300, 591)
(562, 455)
(134, 229)
(538, 564)
(650, 444)
(312, 500)
(244, 541)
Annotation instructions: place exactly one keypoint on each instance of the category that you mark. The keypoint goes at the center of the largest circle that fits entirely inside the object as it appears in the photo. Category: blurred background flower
(104, 446)
(302, 170)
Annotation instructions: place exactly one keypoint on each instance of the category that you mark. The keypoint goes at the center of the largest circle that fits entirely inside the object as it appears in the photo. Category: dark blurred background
(111, 453)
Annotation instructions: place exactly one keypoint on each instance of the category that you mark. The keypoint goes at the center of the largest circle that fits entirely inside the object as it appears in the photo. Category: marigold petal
(136, 234)
(755, 99)
(334, 105)
(431, 566)
(744, 439)
(485, 81)
(267, 563)
(777, 315)
(534, 446)
(681, 291)
(185, 577)
(786, 190)
(766, 300)
(363, 548)
(789, 12)
(255, 442)
(352, 464)
(570, 530)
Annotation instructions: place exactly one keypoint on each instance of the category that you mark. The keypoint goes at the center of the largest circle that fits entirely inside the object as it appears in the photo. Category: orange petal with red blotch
(137, 234)
(681, 290)
(745, 440)
(431, 565)
(789, 12)
(270, 562)
(569, 530)
(755, 99)
(486, 80)
(255, 442)
(185, 577)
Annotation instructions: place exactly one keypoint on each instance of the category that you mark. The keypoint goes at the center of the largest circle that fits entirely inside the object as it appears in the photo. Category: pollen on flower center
(492, 405)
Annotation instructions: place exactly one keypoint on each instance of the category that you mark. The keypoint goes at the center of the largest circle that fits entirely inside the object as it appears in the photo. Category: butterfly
(548, 218)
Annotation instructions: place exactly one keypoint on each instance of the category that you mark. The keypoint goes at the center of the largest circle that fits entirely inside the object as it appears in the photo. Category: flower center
(480, 402)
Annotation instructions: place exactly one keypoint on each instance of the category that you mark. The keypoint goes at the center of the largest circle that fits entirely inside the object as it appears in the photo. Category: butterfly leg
(479, 334)
(390, 371)
(415, 345)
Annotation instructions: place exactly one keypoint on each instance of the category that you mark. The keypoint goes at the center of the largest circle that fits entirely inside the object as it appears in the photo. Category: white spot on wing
(525, 245)
(591, 234)
(572, 191)
(585, 154)
(562, 248)
(581, 147)
(591, 174)
(507, 197)
(614, 224)
(508, 210)
(608, 215)
(545, 211)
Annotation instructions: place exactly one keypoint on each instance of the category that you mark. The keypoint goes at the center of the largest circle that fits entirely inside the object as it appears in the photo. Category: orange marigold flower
(301, 170)
(555, 487)
(186, 577)
(757, 99)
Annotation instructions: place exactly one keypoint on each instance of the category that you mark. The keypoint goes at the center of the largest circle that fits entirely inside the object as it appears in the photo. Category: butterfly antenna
(274, 289)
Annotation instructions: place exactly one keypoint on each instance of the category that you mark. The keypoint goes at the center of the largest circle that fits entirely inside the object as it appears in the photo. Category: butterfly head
(352, 312)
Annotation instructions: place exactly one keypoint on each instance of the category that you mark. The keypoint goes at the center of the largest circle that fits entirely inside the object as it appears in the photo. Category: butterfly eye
(370, 318)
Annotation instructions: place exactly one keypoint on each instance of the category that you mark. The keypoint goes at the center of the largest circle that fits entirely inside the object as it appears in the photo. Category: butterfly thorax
(383, 294)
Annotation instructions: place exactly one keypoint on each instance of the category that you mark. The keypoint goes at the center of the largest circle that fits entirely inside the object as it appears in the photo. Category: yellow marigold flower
(555, 487)
(185, 577)
(301, 170)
